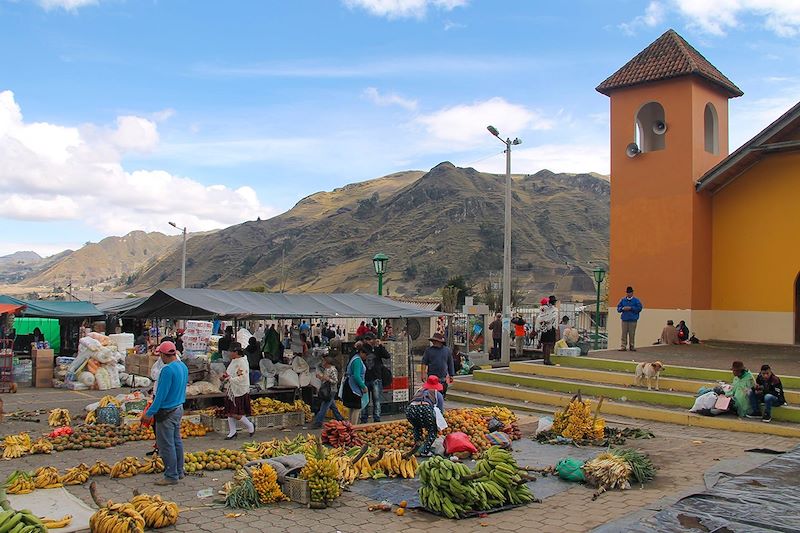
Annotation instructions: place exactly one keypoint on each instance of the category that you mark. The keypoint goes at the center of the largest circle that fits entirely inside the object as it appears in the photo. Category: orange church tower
(669, 126)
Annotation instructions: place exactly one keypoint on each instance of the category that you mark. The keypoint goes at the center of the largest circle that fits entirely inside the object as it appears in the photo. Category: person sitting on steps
(769, 391)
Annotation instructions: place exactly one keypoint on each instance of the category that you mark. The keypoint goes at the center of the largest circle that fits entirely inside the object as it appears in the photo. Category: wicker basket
(297, 490)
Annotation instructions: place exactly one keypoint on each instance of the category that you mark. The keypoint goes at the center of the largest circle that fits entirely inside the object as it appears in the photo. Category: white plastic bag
(87, 378)
(437, 448)
(441, 423)
(288, 378)
(545, 424)
(90, 344)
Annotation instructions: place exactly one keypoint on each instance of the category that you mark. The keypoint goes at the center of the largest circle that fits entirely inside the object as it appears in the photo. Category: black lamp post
(599, 275)
(379, 262)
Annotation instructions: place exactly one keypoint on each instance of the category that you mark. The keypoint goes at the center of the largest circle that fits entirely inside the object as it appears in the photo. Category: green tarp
(48, 326)
(54, 308)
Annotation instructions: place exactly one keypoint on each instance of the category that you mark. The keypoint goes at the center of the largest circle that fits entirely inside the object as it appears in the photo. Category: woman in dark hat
(421, 413)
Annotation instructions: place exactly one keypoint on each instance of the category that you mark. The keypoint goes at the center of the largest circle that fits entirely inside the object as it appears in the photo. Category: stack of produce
(15, 446)
(127, 467)
(221, 459)
(153, 466)
(265, 481)
(42, 445)
(100, 436)
(157, 513)
(300, 405)
(59, 417)
(395, 463)
(57, 523)
(339, 433)
(577, 422)
(75, 476)
(503, 414)
(47, 477)
(269, 406)
(642, 468)
(105, 401)
(12, 520)
(19, 482)
(99, 468)
(190, 429)
(469, 422)
(453, 490)
(114, 517)
(276, 447)
(396, 435)
(322, 474)
(607, 471)
(241, 493)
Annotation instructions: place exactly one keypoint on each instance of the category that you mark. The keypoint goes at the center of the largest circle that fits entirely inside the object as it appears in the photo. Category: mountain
(434, 225)
(19, 265)
(104, 262)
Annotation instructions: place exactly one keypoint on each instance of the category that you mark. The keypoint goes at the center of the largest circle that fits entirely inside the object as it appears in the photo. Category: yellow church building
(701, 235)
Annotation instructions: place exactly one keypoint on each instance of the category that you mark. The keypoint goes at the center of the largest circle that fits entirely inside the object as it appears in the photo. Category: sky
(122, 115)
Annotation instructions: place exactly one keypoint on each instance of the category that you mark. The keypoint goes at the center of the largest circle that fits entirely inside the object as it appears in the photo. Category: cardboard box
(140, 364)
(43, 378)
(43, 358)
(99, 327)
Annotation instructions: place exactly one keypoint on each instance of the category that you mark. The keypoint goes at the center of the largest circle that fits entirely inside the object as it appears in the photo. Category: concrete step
(491, 390)
(624, 379)
(687, 372)
(669, 399)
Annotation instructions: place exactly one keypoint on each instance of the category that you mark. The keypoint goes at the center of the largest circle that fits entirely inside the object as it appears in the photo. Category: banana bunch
(46, 477)
(498, 466)
(117, 518)
(42, 445)
(125, 468)
(15, 446)
(99, 468)
(157, 513)
(107, 400)
(91, 418)
(347, 472)
(300, 405)
(607, 471)
(75, 476)
(19, 483)
(153, 466)
(445, 487)
(322, 474)
(577, 422)
(265, 480)
(59, 417)
(503, 414)
(258, 450)
(52, 523)
(395, 463)
(19, 521)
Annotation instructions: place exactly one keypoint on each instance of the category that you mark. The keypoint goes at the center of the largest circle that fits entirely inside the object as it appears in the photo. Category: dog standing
(648, 371)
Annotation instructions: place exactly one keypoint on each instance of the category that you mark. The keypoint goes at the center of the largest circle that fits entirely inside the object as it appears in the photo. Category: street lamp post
(183, 264)
(379, 262)
(599, 275)
(505, 351)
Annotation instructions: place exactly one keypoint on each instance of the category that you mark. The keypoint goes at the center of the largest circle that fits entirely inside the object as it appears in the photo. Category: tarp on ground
(211, 303)
(54, 308)
(120, 305)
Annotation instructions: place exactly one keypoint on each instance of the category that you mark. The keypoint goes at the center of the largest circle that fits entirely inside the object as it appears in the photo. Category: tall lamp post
(599, 275)
(505, 351)
(183, 264)
(379, 262)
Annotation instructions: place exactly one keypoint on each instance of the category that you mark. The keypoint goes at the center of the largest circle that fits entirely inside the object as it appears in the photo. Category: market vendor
(421, 414)
(237, 399)
(253, 353)
(438, 361)
(224, 345)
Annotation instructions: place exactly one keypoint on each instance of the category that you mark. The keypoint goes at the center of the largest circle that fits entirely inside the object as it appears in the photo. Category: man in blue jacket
(167, 410)
(630, 307)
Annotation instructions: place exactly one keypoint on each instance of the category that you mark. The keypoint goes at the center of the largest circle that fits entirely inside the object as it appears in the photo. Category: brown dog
(648, 371)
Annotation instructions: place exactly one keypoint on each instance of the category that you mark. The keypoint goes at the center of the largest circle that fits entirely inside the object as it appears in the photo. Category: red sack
(458, 442)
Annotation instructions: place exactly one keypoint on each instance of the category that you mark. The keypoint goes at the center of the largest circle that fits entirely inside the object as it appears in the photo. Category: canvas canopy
(209, 303)
(120, 305)
(53, 308)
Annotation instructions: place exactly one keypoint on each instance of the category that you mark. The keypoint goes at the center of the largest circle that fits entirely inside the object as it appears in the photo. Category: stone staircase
(536, 387)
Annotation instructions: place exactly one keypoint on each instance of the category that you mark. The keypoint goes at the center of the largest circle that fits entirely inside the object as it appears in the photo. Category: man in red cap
(167, 410)
(438, 361)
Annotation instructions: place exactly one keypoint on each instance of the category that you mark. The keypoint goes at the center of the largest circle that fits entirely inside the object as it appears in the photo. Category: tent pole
(410, 365)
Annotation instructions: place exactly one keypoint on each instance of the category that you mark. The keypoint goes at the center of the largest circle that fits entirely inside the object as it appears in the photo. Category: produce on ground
(642, 468)
(241, 493)
(276, 447)
(157, 512)
(99, 468)
(114, 517)
(75, 476)
(155, 465)
(59, 417)
(221, 459)
(607, 471)
(19, 482)
(12, 520)
(322, 474)
(454, 490)
(265, 481)
(127, 467)
(15, 446)
(392, 435)
(47, 477)
(503, 414)
(339, 433)
(57, 523)
(42, 445)
(469, 422)
(577, 422)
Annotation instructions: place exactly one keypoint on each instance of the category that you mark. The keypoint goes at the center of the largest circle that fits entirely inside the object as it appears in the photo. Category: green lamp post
(379, 262)
(599, 275)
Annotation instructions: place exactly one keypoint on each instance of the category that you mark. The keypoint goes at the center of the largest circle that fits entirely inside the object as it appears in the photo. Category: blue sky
(118, 115)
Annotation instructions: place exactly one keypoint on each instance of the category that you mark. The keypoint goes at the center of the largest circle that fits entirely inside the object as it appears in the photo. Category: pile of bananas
(322, 475)
(47, 477)
(99, 468)
(503, 414)
(53, 523)
(453, 490)
(607, 471)
(19, 483)
(241, 493)
(157, 513)
(105, 401)
(59, 417)
(75, 476)
(42, 445)
(265, 481)
(300, 405)
(396, 463)
(269, 406)
(276, 447)
(17, 521)
(576, 422)
(125, 468)
(15, 446)
(153, 466)
(114, 517)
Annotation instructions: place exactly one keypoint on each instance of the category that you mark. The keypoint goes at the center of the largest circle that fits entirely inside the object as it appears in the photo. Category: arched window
(647, 135)
(711, 123)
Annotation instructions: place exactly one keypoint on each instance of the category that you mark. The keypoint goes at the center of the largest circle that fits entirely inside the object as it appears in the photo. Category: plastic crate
(297, 490)
(220, 425)
(398, 383)
(276, 420)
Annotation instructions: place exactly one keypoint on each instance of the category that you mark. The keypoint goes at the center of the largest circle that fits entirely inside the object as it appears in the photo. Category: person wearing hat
(237, 399)
(421, 413)
(438, 361)
(629, 308)
(519, 334)
(496, 327)
(741, 385)
(167, 411)
(547, 326)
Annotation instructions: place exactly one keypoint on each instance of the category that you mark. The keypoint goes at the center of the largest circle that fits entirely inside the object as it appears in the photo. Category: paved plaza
(682, 454)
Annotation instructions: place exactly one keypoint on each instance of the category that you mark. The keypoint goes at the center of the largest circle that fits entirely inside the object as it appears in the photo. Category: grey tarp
(210, 303)
(120, 305)
(53, 308)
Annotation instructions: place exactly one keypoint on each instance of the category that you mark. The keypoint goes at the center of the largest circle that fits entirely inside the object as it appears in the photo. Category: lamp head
(174, 225)
(379, 262)
(516, 141)
(493, 131)
(599, 274)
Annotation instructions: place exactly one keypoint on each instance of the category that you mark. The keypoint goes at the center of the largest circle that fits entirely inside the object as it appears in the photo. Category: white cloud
(68, 173)
(67, 5)
(403, 8)
(466, 124)
(747, 117)
(163, 115)
(575, 158)
(373, 95)
(653, 16)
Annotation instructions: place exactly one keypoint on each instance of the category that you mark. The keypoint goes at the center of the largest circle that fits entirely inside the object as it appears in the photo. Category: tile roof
(669, 56)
